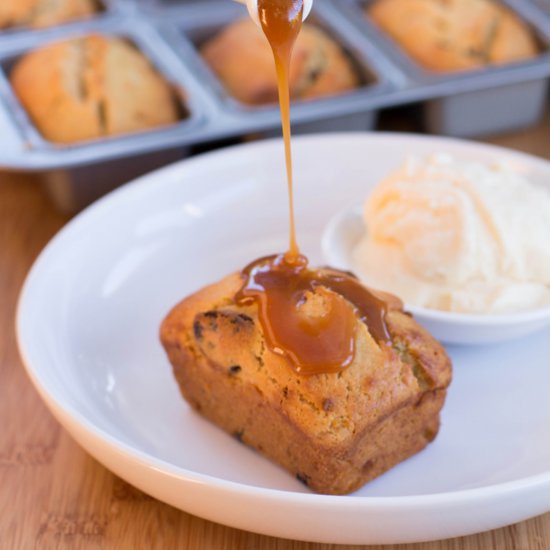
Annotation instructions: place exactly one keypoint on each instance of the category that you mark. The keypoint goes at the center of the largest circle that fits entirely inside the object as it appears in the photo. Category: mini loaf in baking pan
(242, 59)
(92, 87)
(44, 13)
(333, 431)
(455, 35)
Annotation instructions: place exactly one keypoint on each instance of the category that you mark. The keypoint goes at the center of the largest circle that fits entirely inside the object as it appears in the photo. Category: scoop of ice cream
(458, 236)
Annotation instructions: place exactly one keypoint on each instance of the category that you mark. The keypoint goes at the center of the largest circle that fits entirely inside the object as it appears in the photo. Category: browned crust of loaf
(242, 59)
(455, 34)
(44, 13)
(335, 432)
(92, 87)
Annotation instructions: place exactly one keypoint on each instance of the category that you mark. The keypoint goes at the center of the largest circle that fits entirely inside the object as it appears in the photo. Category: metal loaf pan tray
(469, 103)
(190, 26)
(169, 33)
(75, 175)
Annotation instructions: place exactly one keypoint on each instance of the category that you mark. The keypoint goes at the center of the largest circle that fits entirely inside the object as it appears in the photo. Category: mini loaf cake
(334, 431)
(92, 87)
(455, 34)
(241, 57)
(44, 13)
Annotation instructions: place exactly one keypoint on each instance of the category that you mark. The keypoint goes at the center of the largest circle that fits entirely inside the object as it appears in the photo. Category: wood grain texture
(55, 496)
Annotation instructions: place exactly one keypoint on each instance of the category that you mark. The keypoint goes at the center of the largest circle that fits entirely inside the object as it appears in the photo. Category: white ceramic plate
(344, 231)
(88, 321)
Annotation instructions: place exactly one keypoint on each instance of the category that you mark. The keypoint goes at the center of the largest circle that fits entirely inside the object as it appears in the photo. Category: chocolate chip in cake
(245, 318)
(328, 405)
(212, 316)
(197, 330)
(368, 465)
(303, 478)
(234, 369)
(241, 321)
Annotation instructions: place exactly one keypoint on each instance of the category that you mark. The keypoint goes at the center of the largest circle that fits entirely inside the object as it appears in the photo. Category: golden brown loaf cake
(44, 13)
(455, 34)
(92, 87)
(241, 57)
(333, 431)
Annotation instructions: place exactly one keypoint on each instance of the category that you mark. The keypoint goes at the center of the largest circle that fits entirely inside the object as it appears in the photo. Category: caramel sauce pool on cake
(316, 342)
(320, 338)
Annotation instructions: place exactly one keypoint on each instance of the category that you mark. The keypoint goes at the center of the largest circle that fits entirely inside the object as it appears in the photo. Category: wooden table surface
(53, 495)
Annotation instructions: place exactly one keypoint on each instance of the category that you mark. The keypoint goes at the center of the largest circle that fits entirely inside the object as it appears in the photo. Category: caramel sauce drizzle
(308, 316)
(281, 22)
(318, 338)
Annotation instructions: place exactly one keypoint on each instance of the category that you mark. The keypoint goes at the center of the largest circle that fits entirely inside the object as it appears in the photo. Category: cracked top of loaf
(449, 35)
(241, 57)
(44, 13)
(92, 87)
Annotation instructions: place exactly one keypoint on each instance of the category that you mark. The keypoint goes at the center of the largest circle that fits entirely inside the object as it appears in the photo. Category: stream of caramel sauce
(308, 316)
(281, 22)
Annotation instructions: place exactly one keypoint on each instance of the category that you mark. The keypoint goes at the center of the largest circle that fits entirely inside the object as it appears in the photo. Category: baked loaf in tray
(44, 13)
(92, 87)
(455, 34)
(334, 432)
(241, 57)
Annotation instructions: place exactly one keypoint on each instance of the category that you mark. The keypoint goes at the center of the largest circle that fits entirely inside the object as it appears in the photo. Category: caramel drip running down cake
(329, 379)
